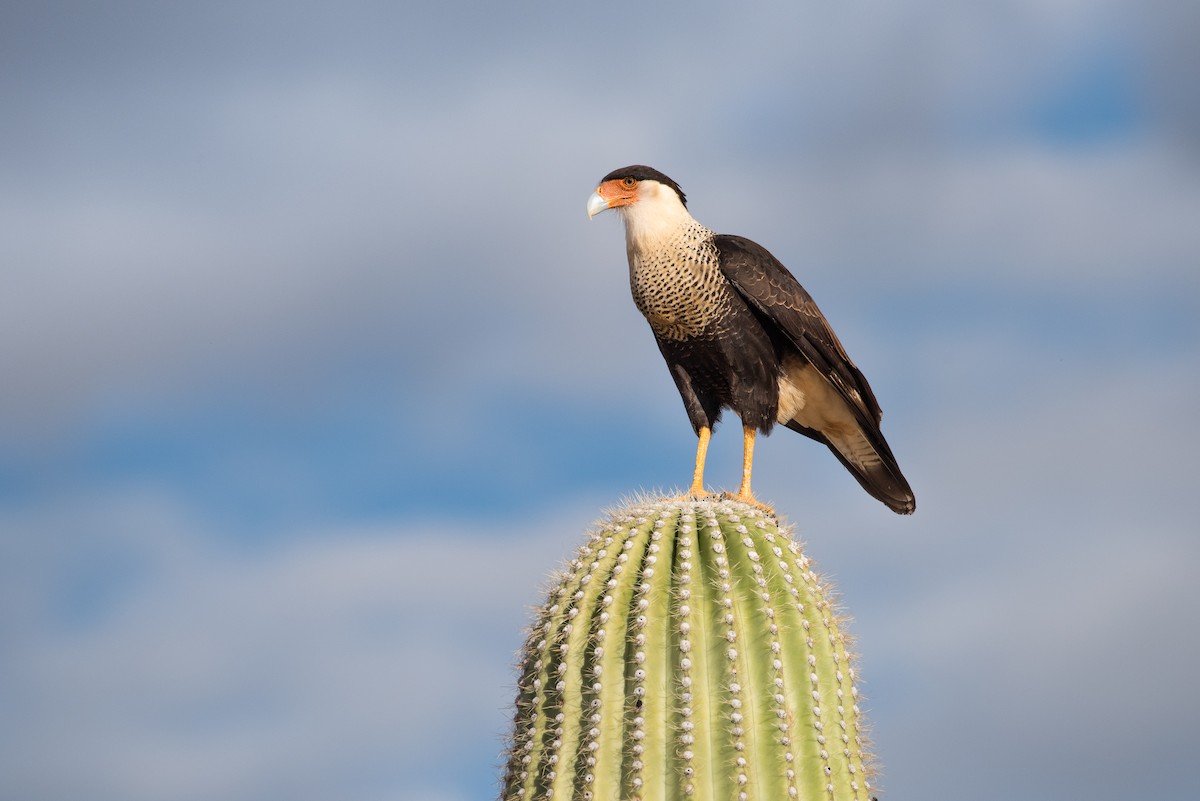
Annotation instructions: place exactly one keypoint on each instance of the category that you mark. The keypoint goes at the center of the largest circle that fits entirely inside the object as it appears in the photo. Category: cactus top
(689, 651)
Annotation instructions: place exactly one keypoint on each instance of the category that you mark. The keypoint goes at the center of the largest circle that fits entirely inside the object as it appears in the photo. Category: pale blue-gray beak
(596, 204)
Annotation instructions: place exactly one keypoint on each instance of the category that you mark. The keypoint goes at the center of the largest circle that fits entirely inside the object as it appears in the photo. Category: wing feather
(779, 298)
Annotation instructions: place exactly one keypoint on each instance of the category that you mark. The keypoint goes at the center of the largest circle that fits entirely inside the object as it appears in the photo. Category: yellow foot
(695, 493)
(748, 497)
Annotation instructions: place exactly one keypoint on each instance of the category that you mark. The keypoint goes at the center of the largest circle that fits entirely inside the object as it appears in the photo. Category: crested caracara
(738, 331)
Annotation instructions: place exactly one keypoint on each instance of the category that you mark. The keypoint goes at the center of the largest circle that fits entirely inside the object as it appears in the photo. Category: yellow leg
(744, 494)
(697, 490)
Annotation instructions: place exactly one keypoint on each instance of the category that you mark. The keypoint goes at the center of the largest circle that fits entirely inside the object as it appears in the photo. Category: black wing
(784, 306)
(778, 297)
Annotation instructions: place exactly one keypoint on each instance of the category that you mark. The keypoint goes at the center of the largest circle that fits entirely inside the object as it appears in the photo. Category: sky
(315, 371)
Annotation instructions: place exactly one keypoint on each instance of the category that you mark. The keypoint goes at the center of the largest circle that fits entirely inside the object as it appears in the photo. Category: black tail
(870, 460)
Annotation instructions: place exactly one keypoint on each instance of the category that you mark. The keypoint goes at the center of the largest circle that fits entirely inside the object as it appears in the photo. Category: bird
(739, 332)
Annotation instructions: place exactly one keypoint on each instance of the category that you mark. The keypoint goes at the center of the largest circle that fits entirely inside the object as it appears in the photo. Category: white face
(654, 212)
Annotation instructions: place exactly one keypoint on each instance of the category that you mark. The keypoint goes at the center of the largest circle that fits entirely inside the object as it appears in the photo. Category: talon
(747, 497)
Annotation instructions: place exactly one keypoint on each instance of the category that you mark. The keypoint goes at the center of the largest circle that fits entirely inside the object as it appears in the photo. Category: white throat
(655, 219)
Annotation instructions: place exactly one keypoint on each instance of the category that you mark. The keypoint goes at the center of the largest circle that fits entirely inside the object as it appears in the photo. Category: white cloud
(272, 672)
(1031, 663)
(309, 217)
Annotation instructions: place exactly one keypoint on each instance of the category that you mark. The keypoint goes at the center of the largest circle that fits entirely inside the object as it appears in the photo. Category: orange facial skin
(618, 192)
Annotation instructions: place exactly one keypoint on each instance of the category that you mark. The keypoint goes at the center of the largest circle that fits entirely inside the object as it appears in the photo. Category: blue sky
(315, 370)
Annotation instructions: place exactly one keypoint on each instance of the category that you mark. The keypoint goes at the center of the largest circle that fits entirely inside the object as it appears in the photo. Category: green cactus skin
(689, 652)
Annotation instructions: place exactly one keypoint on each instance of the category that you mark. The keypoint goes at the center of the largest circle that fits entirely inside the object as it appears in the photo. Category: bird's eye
(628, 183)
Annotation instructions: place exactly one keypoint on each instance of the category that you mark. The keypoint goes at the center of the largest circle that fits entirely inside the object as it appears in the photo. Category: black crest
(640, 172)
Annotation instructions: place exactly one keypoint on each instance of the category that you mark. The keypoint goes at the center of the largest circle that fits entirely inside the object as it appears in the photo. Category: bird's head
(633, 186)
(646, 199)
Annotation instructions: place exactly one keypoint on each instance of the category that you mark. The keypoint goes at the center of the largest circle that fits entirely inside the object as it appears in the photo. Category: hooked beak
(596, 204)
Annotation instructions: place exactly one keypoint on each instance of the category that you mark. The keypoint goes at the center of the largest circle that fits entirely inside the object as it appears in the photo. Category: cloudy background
(312, 369)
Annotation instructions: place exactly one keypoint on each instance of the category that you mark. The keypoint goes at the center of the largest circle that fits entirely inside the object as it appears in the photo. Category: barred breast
(678, 285)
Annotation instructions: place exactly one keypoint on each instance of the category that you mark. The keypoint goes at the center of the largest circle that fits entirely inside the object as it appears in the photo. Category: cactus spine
(689, 652)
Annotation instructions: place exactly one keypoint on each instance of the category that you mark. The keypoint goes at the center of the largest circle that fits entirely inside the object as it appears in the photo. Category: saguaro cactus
(688, 652)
